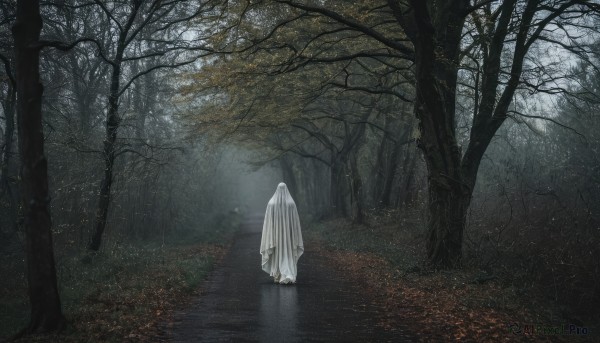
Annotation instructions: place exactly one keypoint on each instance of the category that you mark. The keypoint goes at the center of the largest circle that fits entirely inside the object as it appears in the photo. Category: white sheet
(281, 244)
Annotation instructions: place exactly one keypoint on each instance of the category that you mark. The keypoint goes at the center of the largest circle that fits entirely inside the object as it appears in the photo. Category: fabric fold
(281, 242)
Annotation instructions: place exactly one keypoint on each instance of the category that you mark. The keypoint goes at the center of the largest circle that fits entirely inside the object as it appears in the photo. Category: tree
(150, 32)
(9, 99)
(434, 38)
(46, 313)
(436, 30)
(260, 91)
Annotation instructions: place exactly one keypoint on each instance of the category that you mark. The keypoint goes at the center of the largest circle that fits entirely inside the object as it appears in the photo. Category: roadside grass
(123, 292)
(387, 259)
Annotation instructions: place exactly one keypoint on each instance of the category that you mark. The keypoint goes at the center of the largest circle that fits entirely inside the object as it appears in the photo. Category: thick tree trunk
(46, 313)
(436, 76)
(448, 204)
(112, 125)
(437, 39)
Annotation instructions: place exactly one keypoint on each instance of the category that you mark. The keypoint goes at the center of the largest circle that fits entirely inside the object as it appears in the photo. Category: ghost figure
(281, 244)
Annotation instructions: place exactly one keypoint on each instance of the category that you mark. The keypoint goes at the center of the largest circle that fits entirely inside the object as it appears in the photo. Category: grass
(387, 259)
(123, 292)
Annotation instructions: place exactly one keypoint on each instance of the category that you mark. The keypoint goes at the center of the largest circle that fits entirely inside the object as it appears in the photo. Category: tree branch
(355, 25)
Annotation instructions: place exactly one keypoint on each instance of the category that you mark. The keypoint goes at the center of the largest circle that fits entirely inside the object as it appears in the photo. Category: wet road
(242, 304)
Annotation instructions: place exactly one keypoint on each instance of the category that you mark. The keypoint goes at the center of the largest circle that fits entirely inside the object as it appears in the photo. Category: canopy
(281, 244)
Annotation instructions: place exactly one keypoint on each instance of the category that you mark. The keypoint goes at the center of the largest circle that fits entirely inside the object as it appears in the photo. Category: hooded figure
(281, 245)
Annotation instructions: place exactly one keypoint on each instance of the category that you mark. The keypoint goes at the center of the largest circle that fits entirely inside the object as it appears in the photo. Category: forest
(444, 157)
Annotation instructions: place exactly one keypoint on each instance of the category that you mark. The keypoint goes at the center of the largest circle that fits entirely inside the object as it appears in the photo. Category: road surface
(242, 304)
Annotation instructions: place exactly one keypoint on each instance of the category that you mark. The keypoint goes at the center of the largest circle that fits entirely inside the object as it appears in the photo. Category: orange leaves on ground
(128, 305)
(434, 305)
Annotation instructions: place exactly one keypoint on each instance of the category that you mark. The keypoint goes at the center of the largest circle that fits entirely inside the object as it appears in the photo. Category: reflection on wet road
(242, 304)
(278, 313)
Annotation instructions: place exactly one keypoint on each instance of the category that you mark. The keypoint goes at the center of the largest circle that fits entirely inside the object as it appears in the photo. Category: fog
(248, 187)
(164, 128)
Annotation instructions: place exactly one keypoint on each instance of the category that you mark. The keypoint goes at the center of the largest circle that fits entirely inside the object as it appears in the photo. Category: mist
(443, 162)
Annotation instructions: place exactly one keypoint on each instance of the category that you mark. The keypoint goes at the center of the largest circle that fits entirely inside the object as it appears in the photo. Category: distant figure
(281, 245)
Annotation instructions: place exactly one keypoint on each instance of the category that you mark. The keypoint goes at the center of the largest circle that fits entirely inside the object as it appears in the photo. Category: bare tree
(160, 27)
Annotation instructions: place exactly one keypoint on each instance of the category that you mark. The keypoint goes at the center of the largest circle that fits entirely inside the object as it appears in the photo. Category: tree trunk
(436, 76)
(46, 313)
(5, 166)
(112, 124)
(9, 114)
(448, 204)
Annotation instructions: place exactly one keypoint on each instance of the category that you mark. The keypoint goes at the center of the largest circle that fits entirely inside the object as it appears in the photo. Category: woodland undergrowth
(123, 292)
(477, 302)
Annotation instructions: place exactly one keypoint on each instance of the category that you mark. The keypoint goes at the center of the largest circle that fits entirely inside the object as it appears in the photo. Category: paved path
(242, 304)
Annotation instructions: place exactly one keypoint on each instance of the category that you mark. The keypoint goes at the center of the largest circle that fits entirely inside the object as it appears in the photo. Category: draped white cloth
(281, 245)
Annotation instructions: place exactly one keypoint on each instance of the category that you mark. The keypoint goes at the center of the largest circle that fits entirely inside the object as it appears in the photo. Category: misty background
(217, 103)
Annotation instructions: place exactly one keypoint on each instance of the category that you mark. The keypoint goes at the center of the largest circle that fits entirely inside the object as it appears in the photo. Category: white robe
(281, 245)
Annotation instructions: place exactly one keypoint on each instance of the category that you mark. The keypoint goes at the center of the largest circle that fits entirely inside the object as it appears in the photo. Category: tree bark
(46, 313)
(436, 75)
